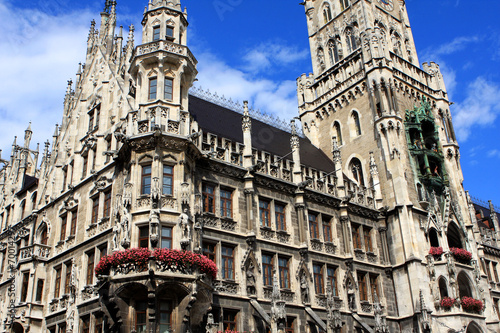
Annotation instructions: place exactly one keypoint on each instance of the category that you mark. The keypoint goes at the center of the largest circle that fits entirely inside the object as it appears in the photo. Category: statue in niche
(321, 58)
(184, 225)
(351, 296)
(116, 234)
(250, 275)
(304, 289)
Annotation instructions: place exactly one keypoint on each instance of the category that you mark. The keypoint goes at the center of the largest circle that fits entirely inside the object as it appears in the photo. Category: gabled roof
(227, 123)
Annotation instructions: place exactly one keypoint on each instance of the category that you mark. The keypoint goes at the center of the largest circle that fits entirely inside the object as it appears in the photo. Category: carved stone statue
(250, 275)
(184, 225)
(351, 296)
(304, 289)
(116, 235)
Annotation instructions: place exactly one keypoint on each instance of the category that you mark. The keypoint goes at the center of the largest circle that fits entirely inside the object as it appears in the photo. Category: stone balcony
(34, 252)
(167, 46)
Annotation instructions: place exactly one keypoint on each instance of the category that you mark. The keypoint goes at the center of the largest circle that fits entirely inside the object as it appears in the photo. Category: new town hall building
(358, 224)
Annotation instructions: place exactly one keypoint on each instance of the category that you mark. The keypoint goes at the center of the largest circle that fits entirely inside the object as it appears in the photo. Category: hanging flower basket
(436, 252)
(447, 303)
(185, 261)
(470, 304)
(130, 259)
(461, 255)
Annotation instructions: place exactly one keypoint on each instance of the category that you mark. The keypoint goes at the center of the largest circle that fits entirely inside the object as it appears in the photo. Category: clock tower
(370, 105)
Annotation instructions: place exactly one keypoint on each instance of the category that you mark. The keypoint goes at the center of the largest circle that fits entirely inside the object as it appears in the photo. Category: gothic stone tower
(368, 101)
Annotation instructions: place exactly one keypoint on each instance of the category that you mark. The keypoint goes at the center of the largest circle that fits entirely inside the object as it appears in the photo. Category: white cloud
(459, 43)
(39, 52)
(480, 107)
(274, 97)
(494, 153)
(272, 54)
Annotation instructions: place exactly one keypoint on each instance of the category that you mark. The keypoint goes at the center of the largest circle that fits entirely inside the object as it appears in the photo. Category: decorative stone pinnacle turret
(493, 215)
(27, 136)
(373, 165)
(337, 158)
(294, 140)
(247, 122)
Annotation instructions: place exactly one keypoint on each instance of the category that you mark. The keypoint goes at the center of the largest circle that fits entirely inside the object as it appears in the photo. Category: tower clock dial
(387, 4)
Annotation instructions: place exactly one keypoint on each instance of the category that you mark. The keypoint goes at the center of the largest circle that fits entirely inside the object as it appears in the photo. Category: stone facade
(358, 224)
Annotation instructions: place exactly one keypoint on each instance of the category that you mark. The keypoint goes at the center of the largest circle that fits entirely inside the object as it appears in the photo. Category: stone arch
(356, 168)
(17, 328)
(454, 236)
(337, 132)
(433, 237)
(356, 123)
(327, 12)
(465, 286)
(473, 328)
(41, 233)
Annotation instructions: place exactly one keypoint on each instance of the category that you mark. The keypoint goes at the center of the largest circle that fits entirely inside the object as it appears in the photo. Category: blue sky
(255, 50)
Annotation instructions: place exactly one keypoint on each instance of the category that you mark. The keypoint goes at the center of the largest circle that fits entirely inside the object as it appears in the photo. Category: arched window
(433, 237)
(327, 13)
(33, 201)
(333, 52)
(337, 132)
(473, 328)
(454, 236)
(344, 4)
(357, 171)
(351, 40)
(357, 125)
(44, 236)
(22, 207)
(443, 287)
(464, 285)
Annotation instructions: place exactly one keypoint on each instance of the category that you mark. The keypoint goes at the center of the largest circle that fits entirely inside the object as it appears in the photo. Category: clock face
(387, 4)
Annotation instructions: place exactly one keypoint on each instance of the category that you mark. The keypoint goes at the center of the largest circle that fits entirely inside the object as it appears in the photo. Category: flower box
(436, 252)
(461, 255)
(137, 260)
(447, 303)
(473, 305)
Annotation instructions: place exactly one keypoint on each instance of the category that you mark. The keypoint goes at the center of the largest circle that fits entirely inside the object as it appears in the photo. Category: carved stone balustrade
(34, 252)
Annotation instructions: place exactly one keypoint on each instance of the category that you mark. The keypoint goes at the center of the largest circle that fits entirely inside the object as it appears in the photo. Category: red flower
(436, 251)
(461, 254)
(470, 304)
(447, 302)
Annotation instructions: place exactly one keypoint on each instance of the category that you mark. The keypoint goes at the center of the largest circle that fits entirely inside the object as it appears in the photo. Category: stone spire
(28, 133)
(493, 214)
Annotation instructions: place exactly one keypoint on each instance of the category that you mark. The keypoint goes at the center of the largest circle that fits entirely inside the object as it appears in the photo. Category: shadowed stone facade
(357, 223)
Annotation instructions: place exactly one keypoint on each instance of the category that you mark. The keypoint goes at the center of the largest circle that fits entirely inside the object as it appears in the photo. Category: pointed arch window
(344, 4)
(357, 124)
(443, 288)
(337, 132)
(327, 13)
(351, 40)
(357, 171)
(333, 52)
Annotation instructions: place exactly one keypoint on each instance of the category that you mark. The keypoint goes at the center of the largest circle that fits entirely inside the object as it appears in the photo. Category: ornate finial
(107, 6)
(92, 31)
(68, 89)
(337, 158)
(294, 140)
(247, 122)
(56, 131)
(373, 165)
(15, 141)
(27, 136)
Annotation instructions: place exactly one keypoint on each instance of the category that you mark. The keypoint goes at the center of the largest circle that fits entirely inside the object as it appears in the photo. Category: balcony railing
(32, 252)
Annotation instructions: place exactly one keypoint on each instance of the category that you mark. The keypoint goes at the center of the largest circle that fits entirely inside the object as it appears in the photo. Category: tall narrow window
(226, 209)
(313, 226)
(165, 316)
(327, 229)
(57, 286)
(357, 125)
(318, 279)
(333, 52)
(153, 85)
(144, 237)
(332, 278)
(327, 14)
(94, 157)
(227, 256)
(368, 239)
(74, 219)
(495, 272)
(44, 236)
(351, 40)
(62, 328)
(141, 317)
(97, 116)
(264, 213)
(64, 222)
(85, 166)
(170, 32)
(496, 302)
(65, 176)
(166, 237)
(338, 133)
(90, 268)
(95, 210)
(67, 281)
(169, 89)
(279, 214)
(168, 180)
(267, 268)
(98, 324)
(284, 271)
(39, 290)
(146, 179)
(86, 324)
(208, 193)
(91, 121)
(156, 33)
(107, 204)
(356, 237)
(24, 287)
(344, 4)
(357, 171)
(363, 291)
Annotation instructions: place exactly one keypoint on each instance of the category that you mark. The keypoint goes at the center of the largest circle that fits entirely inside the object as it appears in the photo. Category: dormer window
(170, 32)
(156, 33)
